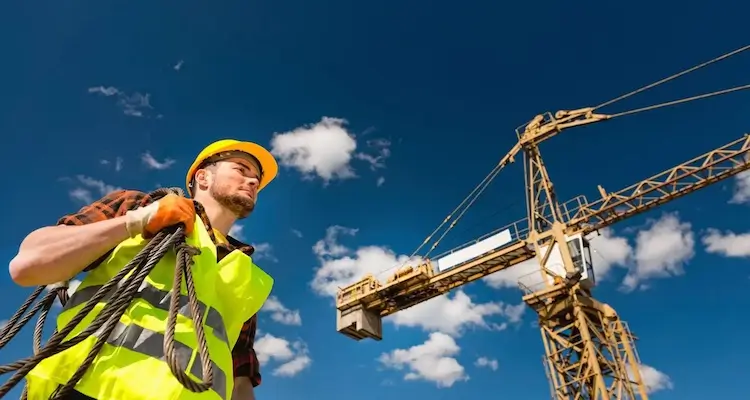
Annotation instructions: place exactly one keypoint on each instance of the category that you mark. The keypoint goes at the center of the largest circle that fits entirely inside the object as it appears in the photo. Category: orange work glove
(167, 211)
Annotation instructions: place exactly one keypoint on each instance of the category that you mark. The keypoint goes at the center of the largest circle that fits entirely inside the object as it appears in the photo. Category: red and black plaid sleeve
(245, 360)
(113, 205)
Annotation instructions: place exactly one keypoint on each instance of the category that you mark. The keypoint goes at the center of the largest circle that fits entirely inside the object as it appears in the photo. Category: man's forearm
(56, 253)
(243, 389)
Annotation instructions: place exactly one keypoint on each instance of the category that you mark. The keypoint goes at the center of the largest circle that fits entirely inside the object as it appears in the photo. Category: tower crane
(590, 351)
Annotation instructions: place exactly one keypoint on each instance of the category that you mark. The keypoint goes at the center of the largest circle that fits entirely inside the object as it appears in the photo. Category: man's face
(235, 185)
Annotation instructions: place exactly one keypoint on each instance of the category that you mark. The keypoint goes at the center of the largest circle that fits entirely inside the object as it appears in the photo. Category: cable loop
(125, 285)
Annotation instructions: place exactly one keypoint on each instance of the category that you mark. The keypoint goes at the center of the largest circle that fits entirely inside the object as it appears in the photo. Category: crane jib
(582, 216)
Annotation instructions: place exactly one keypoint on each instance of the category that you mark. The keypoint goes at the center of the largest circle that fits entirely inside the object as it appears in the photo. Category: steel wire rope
(489, 176)
(473, 196)
(673, 76)
(680, 101)
(124, 285)
(497, 169)
(486, 184)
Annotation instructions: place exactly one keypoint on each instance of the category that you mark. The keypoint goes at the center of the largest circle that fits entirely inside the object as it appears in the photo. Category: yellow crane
(590, 351)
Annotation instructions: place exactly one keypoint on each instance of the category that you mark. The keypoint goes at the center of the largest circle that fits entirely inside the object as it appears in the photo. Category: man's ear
(203, 178)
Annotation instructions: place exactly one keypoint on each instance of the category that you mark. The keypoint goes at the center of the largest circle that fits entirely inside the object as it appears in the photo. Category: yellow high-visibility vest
(131, 365)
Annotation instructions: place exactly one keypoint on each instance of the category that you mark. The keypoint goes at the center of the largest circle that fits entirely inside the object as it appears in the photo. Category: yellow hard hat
(268, 165)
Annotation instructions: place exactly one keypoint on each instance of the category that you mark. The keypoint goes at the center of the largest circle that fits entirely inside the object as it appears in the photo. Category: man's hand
(167, 211)
(243, 389)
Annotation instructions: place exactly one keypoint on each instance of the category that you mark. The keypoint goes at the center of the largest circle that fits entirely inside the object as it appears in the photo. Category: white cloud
(117, 163)
(106, 91)
(487, 363)
(280, 313)
(341, 266)
(380, 181)
(81, 195)
(294, 366)
(457, 313)
(294, 357)
(297, 233)
(514, 313)
(661, 250)
(264, 251)
(99, 185)
(382, 149)
(83, 192)
(326, 149)
(741, 191)
(236, 232)
(152, 163)
(654, 379)
(432, 361)
(133, 104)
(178, 66)
(727, 244)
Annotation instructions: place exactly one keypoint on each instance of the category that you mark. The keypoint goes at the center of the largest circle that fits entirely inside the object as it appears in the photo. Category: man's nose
(254, 182)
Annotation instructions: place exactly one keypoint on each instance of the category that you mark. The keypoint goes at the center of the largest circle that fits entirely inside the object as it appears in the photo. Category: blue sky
(399, 111)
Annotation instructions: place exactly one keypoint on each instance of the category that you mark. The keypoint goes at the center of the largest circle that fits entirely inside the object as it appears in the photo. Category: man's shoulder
(128, 194)
(120, 201)
(113, 204)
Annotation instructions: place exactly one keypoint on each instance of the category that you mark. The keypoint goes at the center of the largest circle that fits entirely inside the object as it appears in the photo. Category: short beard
(240, 206)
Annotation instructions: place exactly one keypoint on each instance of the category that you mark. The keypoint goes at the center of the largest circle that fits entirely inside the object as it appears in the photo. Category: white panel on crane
(477, 249)
(581, 258)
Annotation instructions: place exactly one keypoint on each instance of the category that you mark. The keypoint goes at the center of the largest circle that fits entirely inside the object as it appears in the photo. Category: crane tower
(589, 350)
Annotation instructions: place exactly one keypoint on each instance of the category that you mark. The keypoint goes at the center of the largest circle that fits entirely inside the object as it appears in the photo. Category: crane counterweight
(359, 323)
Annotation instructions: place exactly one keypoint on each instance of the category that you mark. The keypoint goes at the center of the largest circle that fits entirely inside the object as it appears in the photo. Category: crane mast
(589, 351)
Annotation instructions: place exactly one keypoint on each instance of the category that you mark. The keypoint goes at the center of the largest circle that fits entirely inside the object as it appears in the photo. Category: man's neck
(221, 219)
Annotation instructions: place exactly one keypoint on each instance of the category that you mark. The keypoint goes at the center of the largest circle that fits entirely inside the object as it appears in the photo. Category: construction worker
(224, 182)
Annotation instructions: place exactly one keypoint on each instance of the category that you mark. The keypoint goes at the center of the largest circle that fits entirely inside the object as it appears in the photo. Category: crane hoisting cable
(564, 120)
(589, 350)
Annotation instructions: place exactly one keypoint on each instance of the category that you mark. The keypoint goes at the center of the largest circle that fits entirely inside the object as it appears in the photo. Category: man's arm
(243, 389)
(246, 365)
(55, 253)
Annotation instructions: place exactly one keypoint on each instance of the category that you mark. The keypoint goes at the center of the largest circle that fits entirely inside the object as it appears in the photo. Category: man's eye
(244, 171)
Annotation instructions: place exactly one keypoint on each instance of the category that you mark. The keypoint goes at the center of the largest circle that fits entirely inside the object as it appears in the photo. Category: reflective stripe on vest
(150, 343)
(131, 365)
(159, 299)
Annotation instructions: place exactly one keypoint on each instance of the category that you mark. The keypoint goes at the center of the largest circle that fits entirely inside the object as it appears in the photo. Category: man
(224, 181)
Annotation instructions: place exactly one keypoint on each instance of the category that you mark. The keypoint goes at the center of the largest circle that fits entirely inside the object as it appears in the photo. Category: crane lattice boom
(589, 351)
(581, 216)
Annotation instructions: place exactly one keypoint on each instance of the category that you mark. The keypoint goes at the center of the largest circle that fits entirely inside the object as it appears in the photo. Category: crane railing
(519, 230)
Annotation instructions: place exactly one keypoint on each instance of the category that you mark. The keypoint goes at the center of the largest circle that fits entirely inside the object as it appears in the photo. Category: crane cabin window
(580, 252)
(586, 254)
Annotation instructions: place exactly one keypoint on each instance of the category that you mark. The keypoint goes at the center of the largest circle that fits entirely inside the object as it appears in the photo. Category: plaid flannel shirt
(116, 204)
